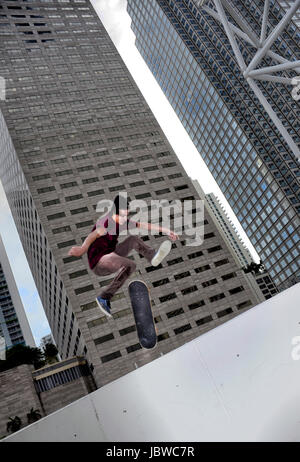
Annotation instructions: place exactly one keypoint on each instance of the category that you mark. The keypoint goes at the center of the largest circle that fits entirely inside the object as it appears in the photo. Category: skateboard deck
(141, 305)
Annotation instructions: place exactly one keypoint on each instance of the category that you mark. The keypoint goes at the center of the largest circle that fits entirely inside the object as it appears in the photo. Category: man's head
(121, 208)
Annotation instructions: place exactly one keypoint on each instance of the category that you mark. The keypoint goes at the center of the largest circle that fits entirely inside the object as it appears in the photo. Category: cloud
(114, 16)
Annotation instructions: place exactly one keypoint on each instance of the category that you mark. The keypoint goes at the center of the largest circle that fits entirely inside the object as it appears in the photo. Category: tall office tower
(75, 129)
(225, 226)
(243, 121)
(14, 325)
(286, 4)
(260, 279)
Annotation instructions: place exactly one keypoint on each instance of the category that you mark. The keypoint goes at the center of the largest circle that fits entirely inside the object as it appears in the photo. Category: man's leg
(136, 243)
(111, 263)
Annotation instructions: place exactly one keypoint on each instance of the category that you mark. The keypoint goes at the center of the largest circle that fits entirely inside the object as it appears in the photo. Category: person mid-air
(107, 256)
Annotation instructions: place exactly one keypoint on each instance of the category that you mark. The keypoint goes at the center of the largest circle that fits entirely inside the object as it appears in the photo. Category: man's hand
(173, 236)
(76, 251)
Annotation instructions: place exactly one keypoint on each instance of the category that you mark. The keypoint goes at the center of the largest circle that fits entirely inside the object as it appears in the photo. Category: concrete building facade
(225, 226)
(18, 395)
(46, 390)
(260, 281)
(75, 129)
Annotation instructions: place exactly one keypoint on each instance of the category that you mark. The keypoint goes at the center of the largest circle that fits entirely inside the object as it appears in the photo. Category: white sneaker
(162, 252)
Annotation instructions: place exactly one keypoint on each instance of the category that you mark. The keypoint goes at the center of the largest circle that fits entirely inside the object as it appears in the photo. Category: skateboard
(141, 305)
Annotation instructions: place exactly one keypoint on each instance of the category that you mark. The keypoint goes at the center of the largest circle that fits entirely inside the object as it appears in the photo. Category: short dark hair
(120, 203)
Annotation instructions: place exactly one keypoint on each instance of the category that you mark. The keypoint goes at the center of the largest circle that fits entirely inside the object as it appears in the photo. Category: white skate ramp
(238, 382)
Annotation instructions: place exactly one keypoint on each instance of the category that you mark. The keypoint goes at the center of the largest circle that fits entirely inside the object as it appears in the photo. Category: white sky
(117, 22)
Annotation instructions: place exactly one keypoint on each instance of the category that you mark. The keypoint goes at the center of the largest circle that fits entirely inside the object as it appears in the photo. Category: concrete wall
(237, 382)
(17, 395)
(60, 396)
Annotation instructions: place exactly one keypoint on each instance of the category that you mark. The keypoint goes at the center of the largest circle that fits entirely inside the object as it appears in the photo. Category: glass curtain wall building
(285, 4)
(191, 58)
(74, 130)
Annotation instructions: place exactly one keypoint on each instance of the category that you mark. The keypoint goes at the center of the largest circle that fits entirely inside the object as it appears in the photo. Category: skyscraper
(225, 226)
(75, 129)
(259, 279)
(286, 4)
(14, 327)
(245, 126)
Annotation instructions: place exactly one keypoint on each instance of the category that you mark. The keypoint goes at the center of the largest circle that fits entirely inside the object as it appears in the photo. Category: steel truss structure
(223, 12)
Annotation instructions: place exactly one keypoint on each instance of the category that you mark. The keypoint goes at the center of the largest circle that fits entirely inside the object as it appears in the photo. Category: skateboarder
(107, 256)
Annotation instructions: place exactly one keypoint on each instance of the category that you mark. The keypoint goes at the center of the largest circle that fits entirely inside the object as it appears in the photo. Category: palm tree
(50, 353)
(21, 354)
(33, 415)
(254, 268)
(14, 424)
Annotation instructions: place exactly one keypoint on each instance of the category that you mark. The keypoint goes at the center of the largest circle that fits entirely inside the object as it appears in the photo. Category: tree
(50, 353)
(14, 424)
(254, 268)
(33, 415)
(21, 354)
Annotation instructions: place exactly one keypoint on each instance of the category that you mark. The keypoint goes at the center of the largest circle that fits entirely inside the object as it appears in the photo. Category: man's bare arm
(160, 229)
(77, 251)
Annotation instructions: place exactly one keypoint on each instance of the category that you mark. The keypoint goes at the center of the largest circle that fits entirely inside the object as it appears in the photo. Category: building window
(160, 282)
(47, 189)
(82, 290)
(103, 339)
(52, 202)
(200, 269)
(173, 262)
(78, 274)
(221, 262)
(214, 249)
(168, 297)
(236, 290)
(56, 215)
(134, 347)
(195, 254)
(88, 306)
(181, 329)
(163, 336)
(224, 312)
(182, 275)
(127, 330)
(189, 290)
(61, 245)
(228, 276)
(62, 229)
(216, 297)
(204, 320)
(174, 313)
(110, 357)
(196, 305)
(97, 322)
(80, 210)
